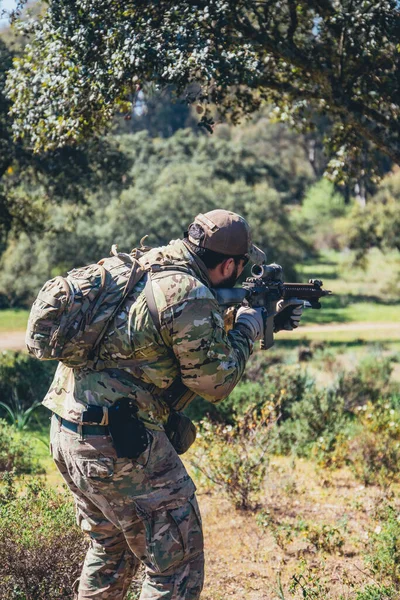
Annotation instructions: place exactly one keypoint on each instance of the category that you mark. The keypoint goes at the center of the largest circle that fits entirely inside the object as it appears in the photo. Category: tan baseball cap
(225, 232)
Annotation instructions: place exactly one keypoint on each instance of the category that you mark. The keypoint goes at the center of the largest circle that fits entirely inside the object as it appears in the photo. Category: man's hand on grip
(288, 314)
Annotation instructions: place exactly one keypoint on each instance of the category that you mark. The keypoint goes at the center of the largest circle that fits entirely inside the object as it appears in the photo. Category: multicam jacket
(141, 362)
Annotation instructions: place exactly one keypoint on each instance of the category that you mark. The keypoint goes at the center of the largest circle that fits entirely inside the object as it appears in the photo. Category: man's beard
(229, 282)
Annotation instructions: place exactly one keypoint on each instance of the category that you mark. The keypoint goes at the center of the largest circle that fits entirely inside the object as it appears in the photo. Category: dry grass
(244, 560)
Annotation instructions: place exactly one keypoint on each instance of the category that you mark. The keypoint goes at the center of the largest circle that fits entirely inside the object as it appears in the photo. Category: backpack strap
(177, 395)
(151, 303)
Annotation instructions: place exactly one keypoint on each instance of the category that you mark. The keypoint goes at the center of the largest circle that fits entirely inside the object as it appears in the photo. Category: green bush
(376, 592)
(318, 416)
(374, 452)
(368, 382)
(16, 452)
(41, 548)
(282, 385)
(24, 379)
(235, 458)
(383, 555)
(260, 363)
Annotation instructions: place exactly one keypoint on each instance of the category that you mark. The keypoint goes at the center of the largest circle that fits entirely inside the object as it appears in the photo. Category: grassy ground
(38, 435)
(359, 295)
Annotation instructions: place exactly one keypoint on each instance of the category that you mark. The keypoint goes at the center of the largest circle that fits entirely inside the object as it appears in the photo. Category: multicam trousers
(134, 511)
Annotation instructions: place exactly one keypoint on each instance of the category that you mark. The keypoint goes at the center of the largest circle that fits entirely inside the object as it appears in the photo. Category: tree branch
(293, 22)
(279, 49)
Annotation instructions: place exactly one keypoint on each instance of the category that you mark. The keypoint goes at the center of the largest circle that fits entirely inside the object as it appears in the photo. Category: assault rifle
(265, 288)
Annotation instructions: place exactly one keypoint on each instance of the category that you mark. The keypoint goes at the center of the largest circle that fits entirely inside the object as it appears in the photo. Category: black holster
(129, 434)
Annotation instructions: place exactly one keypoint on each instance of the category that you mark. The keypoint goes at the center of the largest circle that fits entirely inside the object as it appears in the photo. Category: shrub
(318, 416)
(384, 551)
(376, 592)
(235, 457)
(16, 452)
(281, 385)
(23, 378)
(41, 549)
(374, 453)
(324, 537)
(368, 382)
(260, 363)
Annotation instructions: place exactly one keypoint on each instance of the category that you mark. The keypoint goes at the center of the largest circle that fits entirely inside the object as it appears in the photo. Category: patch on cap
(224, 232)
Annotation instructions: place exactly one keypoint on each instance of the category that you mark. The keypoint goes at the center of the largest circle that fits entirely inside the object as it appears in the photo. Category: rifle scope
(272, 271)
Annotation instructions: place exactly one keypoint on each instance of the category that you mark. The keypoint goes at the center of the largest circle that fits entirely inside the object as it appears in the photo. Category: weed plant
(377, 592)
(16, 452)
(235, 457)
(328, 538)
(309, 582)
(383, 556)
(24, 378)
(374, 453)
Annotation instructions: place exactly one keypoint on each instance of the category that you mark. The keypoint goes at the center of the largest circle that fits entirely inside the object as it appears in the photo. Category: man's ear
(226, 267)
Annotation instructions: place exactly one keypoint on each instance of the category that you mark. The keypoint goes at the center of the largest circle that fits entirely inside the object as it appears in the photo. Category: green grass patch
(13, 319)
(369, 294)
(38, 435)
(379, 280)
(349, 309)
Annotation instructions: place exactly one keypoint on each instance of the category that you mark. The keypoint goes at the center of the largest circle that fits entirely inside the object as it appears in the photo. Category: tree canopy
(30, 181)
(340, 58)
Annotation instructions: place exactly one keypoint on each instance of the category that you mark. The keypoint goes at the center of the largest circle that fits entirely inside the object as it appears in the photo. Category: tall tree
(334, 57)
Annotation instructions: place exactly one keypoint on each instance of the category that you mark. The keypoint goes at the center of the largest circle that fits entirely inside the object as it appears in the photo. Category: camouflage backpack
(70, 314)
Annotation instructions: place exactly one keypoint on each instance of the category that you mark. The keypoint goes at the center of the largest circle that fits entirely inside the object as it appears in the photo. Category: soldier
(143, 508)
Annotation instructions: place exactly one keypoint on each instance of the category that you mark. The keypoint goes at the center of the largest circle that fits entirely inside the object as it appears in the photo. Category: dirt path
(362, 326)
(14, 340)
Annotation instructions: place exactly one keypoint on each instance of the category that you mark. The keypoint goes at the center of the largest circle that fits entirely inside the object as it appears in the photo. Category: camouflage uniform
(145, 509)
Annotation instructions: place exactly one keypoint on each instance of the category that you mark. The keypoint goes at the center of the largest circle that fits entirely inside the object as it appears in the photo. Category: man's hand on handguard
(251, 319)
(288, 314)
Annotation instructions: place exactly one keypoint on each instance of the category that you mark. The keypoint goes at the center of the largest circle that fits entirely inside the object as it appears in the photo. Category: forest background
(307, 447)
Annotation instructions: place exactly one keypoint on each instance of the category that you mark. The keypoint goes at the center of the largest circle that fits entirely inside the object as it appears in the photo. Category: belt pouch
(180, 431)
